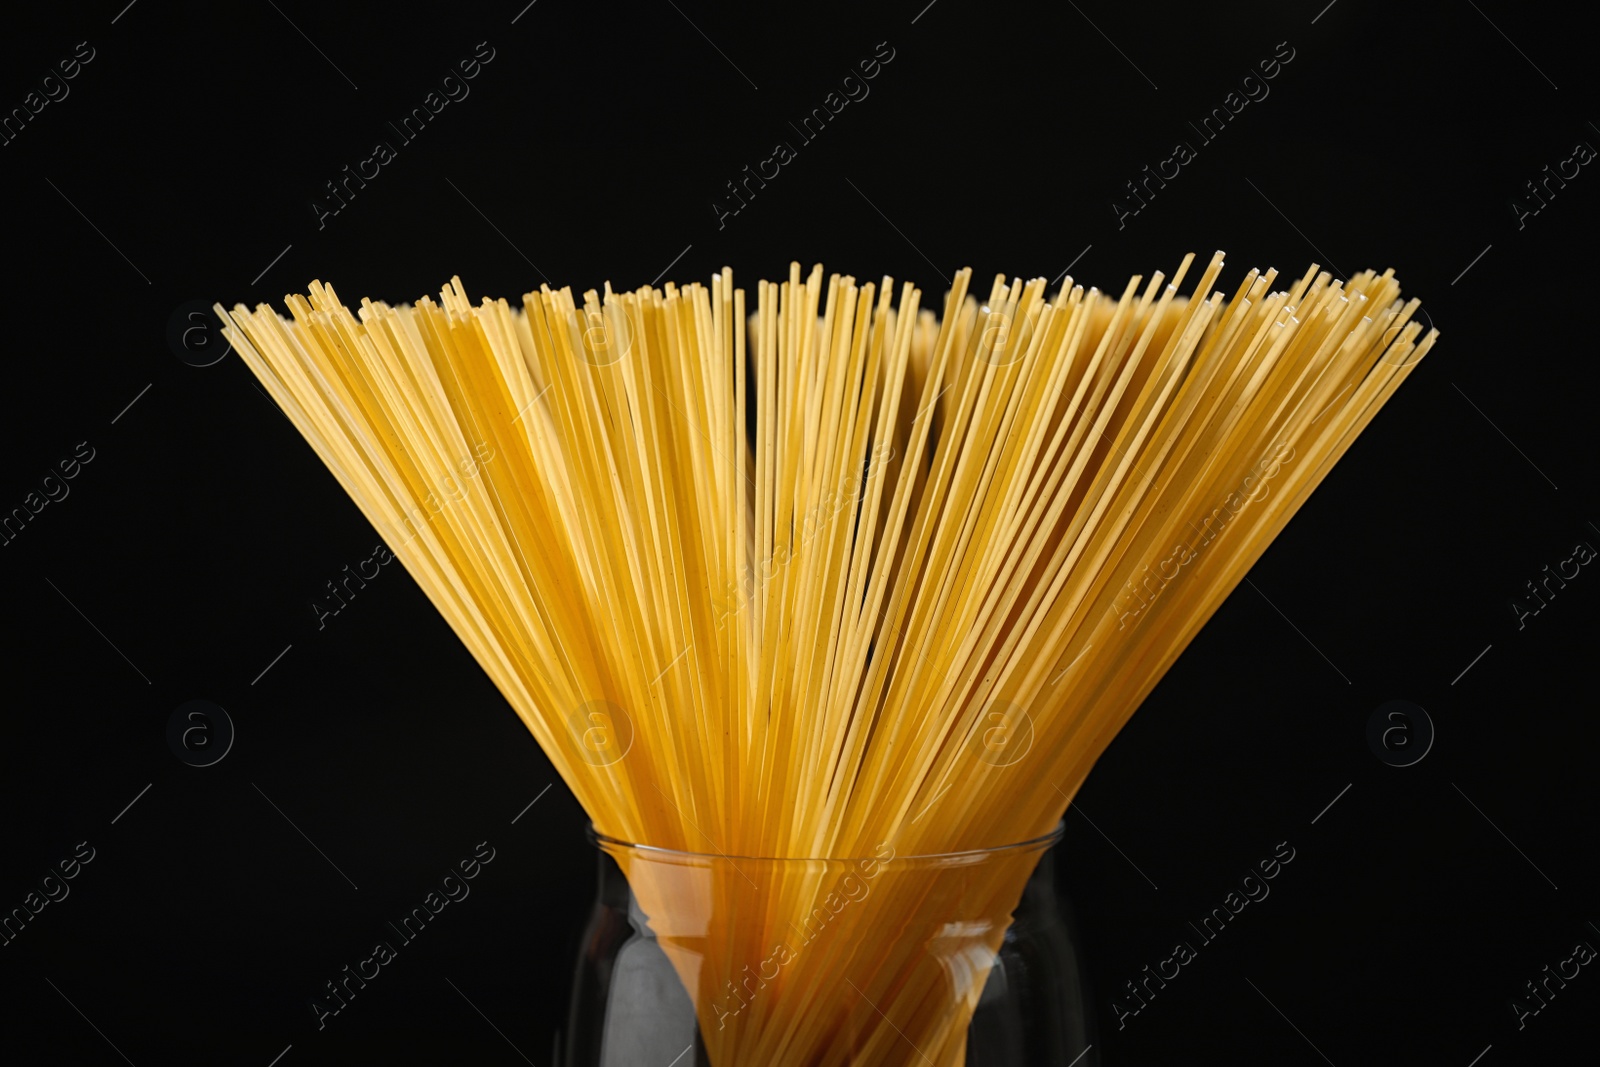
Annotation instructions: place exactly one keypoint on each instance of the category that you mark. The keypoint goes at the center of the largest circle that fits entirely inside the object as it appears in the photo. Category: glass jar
(967, 959)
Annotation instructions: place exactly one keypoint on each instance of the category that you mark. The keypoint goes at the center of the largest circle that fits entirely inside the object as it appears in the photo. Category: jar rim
(1041, 843)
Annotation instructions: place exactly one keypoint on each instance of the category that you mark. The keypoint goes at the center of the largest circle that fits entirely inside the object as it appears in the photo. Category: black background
(183, 166)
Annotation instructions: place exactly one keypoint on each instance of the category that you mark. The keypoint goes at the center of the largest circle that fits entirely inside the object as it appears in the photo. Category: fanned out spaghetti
(835, 574)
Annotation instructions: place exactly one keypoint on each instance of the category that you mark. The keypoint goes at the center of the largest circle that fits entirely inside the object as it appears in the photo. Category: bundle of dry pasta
(836, 571)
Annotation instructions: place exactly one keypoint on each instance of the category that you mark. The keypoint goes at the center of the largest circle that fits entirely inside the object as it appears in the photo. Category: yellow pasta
(836, 570)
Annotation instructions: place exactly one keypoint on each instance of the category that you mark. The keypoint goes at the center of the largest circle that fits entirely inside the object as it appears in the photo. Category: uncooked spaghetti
(834, 571)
